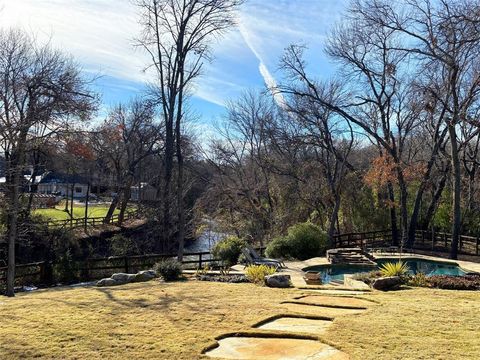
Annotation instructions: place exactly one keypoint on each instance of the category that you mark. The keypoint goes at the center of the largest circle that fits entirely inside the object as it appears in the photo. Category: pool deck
(294, 268)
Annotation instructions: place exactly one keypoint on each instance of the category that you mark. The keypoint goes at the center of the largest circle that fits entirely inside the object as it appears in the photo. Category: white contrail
(266, 74)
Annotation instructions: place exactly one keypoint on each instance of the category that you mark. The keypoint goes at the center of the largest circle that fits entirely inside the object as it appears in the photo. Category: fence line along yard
(90, 221)
(41, 272)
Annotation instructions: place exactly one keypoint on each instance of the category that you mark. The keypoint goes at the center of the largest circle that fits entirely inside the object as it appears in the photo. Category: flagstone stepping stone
(334, 300)
(242, 347)
(297, 325)
(338, 292)
(312, 309)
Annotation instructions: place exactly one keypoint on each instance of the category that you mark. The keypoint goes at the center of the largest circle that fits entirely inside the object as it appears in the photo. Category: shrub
(279, 248)
(168, 269)
(398, 268)
(418, 280)
(65, 269)
(303, 241)
(229, 250)
(467, 282)
(257, 273)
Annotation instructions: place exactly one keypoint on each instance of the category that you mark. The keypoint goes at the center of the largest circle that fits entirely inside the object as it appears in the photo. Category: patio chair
(253, 257)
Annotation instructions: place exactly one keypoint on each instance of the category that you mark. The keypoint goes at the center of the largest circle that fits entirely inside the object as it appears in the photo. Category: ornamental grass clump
(256, 273)
(398, 268)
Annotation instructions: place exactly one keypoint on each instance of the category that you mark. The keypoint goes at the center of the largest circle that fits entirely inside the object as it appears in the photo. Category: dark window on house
(78, 189)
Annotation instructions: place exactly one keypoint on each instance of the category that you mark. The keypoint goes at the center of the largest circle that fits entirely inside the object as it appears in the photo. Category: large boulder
(107, 282)
(123, 278)
(145, 275)
(278, 281)
(387, 283)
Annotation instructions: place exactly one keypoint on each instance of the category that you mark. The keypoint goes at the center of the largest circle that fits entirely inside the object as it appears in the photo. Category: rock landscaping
(278, 281)
(124, 278)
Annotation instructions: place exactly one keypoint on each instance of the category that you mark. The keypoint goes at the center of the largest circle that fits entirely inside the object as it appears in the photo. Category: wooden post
(476, 245)
(445, 241)
(126, 264)
(200, 260)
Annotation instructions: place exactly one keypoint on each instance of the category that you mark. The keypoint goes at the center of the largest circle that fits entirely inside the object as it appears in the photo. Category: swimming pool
(336, 273)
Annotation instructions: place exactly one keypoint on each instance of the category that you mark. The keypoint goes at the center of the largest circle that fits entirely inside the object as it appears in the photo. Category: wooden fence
(95, 268)
(424, 240)
(90, 221)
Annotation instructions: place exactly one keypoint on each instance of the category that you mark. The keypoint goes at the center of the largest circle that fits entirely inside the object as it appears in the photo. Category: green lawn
(78, 212)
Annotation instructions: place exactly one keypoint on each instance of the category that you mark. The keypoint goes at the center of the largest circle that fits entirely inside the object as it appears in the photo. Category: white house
(61, 184)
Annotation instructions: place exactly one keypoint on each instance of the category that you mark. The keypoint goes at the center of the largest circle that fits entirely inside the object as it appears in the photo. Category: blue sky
(100, 33)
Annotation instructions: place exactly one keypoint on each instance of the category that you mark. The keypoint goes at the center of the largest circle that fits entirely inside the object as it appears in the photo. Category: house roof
(60, 178)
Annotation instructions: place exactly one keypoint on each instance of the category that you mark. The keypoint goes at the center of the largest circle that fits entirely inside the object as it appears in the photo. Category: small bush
(303, 241)
(279, 248)
(418, 280)
(229, 250)
(257, 273)
(65, 269)
(169, 269)
(467, 282)
(398, 268)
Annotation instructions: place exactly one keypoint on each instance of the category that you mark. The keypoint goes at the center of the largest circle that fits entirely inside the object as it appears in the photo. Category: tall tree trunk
(167, 180)
(403, 205)
(180, 204)
(33, 189)
(71, 204)
(456, 193)
(393, 214)
(12, 224)
(333, 220)
(127, 193)
(111, 209)
(435, 200)
(87, 198)
(14, 174)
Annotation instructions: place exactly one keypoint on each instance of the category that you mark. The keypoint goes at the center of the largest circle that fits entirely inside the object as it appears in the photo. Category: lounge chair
(252, 257)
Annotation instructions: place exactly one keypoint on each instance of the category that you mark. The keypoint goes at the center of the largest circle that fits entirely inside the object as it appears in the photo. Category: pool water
(336, 273)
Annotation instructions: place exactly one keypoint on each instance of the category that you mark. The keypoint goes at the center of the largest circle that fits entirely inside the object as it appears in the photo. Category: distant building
(143, 192)
(61, 184)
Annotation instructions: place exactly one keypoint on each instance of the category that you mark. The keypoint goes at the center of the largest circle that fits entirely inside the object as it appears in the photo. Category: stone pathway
(297, 325)
(274, 348)
(295, 336)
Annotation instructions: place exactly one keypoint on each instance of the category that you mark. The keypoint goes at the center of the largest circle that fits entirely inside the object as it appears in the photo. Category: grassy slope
(78, 212)
(177, 320)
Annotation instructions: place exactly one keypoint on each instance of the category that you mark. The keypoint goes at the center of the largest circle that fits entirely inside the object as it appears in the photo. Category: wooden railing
(94, 268)
(362, 240)
(424, 240)
(90, 221)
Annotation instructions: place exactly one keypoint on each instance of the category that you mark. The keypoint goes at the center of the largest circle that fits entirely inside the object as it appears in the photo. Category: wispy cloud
(100, 33)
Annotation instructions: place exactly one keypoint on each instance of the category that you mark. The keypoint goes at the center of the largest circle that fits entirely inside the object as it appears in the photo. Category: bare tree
(176, 36)
(127, 137)
(444, 38)
(38, 86)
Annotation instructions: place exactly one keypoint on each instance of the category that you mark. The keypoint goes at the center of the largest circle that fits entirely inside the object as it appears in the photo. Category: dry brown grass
(137, 321)
(177, 320)
(413, 324)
